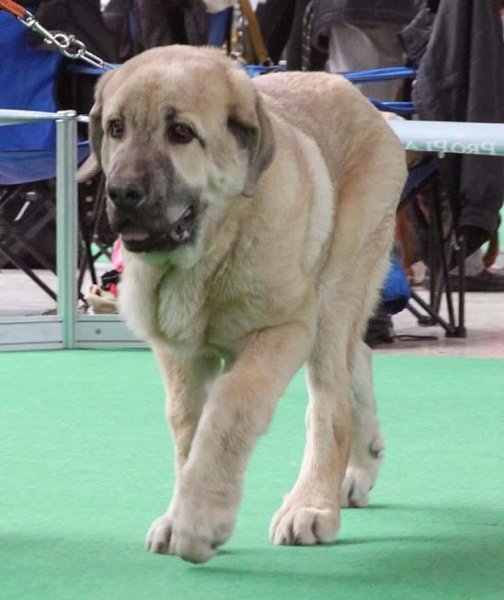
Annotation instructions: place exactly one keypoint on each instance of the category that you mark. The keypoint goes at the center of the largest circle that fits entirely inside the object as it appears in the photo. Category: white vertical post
(66, 222)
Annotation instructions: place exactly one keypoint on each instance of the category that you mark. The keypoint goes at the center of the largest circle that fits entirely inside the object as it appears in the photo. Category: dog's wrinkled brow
(171, 117)
(171, 113)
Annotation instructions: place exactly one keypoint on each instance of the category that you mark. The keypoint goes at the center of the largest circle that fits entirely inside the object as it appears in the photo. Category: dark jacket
(328, 12)
(82, 19)
(164, 22)
(137, 25)
(461, 78)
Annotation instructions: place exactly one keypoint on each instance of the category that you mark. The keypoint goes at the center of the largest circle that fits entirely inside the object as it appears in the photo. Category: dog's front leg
(187, 383)
(238, 410)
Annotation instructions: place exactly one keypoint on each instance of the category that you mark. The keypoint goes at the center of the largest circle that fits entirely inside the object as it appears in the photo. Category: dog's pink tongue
(131, 233)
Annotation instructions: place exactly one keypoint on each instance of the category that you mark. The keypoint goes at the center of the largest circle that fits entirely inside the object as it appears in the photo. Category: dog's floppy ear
(92, 165)
(249, 115)
(262, 150)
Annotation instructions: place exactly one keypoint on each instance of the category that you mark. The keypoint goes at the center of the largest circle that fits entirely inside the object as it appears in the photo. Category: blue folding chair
(424, 178)
(28, 153)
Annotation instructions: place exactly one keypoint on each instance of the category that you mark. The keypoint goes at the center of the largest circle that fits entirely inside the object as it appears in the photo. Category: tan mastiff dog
(257, 218)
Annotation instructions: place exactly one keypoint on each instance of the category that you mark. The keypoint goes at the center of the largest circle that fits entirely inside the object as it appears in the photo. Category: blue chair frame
(27, 151)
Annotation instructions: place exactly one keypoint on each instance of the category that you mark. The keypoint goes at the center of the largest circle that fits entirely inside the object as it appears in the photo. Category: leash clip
(68, 45)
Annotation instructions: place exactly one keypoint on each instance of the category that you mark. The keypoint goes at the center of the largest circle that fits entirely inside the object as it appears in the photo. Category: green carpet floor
(86, 464)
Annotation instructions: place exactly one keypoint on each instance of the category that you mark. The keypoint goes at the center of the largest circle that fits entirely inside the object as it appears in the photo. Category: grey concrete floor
(19, 296)
(485, 331)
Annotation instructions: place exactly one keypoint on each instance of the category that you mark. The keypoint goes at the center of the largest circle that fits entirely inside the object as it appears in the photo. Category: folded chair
(444, 249)
(28, 79)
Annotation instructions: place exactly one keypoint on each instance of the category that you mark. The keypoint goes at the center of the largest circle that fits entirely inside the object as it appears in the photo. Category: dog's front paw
(300, 524)
(361, 475)
(191, 541)
(200, 525)
(193, 528)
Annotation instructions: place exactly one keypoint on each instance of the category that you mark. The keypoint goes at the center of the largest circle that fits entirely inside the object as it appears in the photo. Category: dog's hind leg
(310, 514)
(367, 445)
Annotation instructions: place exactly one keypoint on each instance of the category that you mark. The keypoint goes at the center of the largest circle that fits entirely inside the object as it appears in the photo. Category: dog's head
(180, 133)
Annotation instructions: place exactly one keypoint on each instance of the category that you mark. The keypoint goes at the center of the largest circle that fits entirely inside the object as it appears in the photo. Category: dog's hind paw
(361, 475)
(297, 525)
(356, 488)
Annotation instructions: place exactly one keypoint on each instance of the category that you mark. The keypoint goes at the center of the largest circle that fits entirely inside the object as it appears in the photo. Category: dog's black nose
(128, 195)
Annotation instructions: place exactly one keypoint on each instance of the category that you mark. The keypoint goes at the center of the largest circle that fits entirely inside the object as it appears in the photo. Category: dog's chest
(194, 314)
(188, 313)
(159, 306)
(181, 316)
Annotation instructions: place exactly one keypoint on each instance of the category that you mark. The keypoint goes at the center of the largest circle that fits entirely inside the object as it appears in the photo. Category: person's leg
(478, 277)
(154, 27)
(317, 58)
(275, 22)
(218, 26)
(474, 263)
(359, 48)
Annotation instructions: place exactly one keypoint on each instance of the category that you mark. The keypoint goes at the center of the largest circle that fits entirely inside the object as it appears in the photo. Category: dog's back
(330, 110)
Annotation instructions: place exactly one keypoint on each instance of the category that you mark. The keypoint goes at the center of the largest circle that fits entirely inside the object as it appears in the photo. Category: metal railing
(66, 211)
(68, 330)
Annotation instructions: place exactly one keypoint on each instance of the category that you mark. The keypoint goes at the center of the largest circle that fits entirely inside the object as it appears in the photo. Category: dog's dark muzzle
(144, 225)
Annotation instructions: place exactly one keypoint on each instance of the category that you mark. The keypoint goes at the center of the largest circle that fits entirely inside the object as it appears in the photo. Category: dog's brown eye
(180, 133)
(116, 129)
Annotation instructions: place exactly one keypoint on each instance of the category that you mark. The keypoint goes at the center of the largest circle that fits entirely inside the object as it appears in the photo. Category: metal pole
(66, 222)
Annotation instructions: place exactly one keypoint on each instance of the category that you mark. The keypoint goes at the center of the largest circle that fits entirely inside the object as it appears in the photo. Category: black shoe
(484, 281)
(380, 330)
(475, 237)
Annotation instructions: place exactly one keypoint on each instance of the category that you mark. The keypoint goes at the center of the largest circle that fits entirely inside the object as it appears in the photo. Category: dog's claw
(162, 540)
(304, 526)
(159, 535)
(192, 541)
(356, 488)
(191, 549)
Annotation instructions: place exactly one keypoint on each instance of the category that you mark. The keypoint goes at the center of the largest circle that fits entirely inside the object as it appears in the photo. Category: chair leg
(11, 241)
(89, 228)
(440, 263)
(432, 317)
(33, 251)
(20, 264)
(444, 251)
(461, 250)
